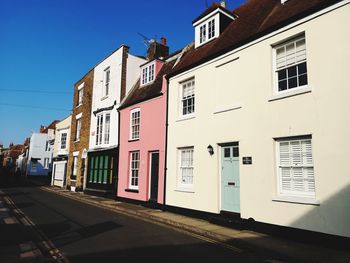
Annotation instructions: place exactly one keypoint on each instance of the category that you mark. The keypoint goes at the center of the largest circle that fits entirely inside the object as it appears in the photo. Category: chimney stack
(157, 50)
(163, 41)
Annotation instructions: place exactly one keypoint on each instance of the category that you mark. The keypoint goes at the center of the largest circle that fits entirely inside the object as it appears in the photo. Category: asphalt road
(85, 233)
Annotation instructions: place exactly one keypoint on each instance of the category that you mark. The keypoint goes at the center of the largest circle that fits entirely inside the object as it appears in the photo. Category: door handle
(231, 183)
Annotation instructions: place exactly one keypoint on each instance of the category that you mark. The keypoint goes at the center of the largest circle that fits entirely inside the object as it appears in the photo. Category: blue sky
(48, 45)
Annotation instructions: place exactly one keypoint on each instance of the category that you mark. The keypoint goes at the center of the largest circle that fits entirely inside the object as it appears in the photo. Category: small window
(291, 67)
(78, 128)
(99, 128)
(80, 97)
(47, 146)
(186, 167)
(46, 163)
(134, 170)
(75, 167)
(147, 74)
(211, 29)
(227, 152)
(63, 140)
(107, 80)
(107, 128)
(203, 33)
(187, 102)
(135, 124)
(295, 166)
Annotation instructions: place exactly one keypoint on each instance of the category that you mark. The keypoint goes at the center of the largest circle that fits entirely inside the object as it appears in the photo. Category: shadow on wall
(333, 215)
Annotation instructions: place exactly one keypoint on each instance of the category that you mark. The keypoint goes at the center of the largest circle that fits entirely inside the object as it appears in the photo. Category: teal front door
(230, 182)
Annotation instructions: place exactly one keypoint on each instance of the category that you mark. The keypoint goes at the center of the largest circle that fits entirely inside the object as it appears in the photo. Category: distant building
(60, 152)
(40, 151)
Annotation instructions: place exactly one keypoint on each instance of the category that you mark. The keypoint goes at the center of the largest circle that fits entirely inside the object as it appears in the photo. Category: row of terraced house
(251, 119)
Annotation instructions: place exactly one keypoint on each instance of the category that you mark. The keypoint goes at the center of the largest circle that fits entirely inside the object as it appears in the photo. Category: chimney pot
(163, 41)
(223, 4)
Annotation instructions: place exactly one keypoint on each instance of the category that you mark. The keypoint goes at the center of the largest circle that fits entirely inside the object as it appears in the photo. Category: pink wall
(152, 138)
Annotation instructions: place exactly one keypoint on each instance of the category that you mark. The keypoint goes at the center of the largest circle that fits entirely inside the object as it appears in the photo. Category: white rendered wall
(246, 83)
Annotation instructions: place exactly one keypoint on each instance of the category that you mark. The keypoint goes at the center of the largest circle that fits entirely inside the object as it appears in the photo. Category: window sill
(184, 190)
(105, 97)
(297, 200)
(184, 118)
(76, 141)
(290, 94)
(134, 140)
(131, 190)
(79, 105)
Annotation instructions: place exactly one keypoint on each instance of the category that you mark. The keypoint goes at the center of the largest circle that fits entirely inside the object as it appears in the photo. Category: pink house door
(154, 172)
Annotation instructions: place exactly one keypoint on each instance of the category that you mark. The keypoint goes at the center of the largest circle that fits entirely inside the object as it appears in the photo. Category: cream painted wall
(246, 84)
(62, 127)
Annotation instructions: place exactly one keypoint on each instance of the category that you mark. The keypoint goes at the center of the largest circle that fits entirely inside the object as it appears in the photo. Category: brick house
(79, 132)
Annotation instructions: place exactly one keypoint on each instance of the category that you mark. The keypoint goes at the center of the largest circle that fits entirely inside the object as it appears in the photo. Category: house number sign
(247, 160)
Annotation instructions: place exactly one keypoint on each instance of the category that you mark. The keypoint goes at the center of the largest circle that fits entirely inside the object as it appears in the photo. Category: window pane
(302, 68)
(235, 152)
(292, 82)
(227, 153)
(282, 74)
(282, 85)
(303, 80)
(292, 71)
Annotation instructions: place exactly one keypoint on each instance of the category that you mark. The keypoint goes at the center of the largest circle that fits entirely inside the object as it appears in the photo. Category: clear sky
(48, 45)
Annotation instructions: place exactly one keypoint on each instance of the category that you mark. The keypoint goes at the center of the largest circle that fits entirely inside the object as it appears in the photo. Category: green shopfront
(102, 172)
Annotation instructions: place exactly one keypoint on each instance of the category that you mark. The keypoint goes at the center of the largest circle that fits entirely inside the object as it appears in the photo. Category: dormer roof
(211, 9)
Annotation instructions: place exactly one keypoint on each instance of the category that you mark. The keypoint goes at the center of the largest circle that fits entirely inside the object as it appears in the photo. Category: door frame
(219, 150)
(150, 157)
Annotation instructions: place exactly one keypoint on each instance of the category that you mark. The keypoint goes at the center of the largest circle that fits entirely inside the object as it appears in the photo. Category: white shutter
(296, 171)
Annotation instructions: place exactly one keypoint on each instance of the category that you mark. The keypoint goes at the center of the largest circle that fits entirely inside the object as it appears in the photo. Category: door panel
(154, 172)
(230, 182)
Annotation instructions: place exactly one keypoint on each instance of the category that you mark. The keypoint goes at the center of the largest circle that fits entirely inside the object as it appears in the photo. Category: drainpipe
(166, 142)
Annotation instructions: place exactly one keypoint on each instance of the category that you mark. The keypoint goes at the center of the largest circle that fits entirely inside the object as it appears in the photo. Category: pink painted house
(142, 130)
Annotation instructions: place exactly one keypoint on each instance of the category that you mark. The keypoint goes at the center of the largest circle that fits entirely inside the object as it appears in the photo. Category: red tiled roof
(256, 18)
(51, 126)
(139, 94)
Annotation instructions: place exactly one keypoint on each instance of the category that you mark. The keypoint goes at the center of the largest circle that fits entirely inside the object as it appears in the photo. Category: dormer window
(147, 72)
(211, 23)
(211, 29)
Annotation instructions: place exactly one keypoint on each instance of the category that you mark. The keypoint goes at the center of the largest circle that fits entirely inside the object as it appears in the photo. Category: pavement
(230, 237)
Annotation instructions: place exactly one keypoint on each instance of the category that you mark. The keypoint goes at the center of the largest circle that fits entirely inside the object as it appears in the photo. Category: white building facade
(39, 155)
(262, 130)
(60, 152)
(113, 78)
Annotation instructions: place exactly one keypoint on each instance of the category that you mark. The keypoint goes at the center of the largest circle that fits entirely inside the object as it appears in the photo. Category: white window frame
(80, 97)
(207, 29)
(182, 166)
(134, 170)
(78, 129)
(148, 73)
(183, 85)
(282, 44)
(75, 166)
(107, 128)
(305, 165)
(99, 129)
(135, 127)
(63, 139)
(103, 128)
(107, 80)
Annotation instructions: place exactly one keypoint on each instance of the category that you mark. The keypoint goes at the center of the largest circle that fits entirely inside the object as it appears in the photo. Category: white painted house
(113, 78)
(259, 113)
(39, 155)
(61, 152)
